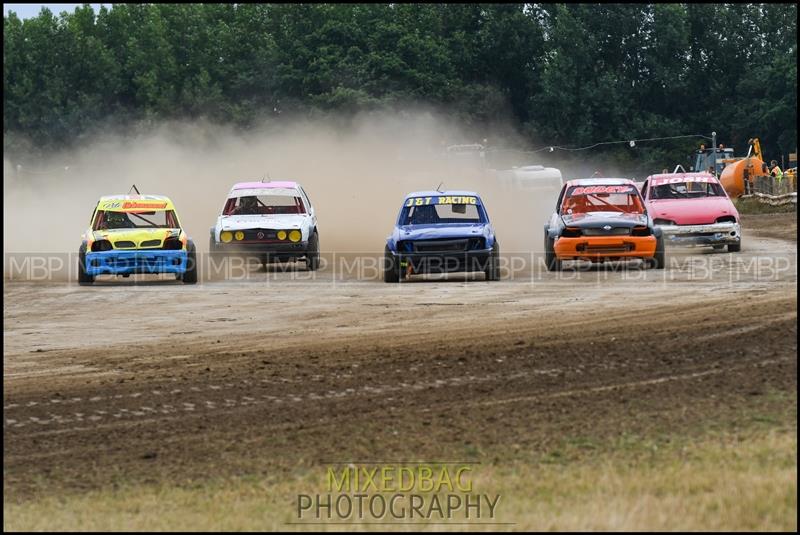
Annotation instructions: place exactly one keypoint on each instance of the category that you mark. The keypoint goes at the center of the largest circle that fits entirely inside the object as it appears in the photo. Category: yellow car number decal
(423, 201)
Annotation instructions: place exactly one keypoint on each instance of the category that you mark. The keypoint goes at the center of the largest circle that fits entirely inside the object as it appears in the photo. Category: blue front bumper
(141, 261)
(445, 261)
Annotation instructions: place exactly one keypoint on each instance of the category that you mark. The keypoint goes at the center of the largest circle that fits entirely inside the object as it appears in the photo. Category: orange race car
(601, 219)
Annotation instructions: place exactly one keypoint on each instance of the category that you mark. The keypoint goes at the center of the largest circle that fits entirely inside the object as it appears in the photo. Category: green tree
(568, 74)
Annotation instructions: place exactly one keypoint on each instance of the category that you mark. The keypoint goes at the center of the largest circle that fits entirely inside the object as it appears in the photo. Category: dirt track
(164, 382)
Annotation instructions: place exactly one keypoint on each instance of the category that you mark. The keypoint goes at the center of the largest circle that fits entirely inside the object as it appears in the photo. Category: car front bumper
(278, 249)
(136, 261)
(445, 261)
(693, 235)
(601, 247)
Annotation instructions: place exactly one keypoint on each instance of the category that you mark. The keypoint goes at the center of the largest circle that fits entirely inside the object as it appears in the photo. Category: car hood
(137, 236)
(600, 219)
(451, 230)
(698, 211)
(269, 221)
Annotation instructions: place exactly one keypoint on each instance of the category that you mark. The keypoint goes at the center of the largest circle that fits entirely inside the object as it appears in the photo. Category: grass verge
(753, 206)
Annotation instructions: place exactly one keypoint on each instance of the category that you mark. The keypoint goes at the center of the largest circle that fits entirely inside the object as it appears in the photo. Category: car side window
(94, 213)
(560, 198)
(643, 203)
(306, 199)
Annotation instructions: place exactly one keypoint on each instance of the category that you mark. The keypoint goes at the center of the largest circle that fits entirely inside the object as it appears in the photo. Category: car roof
(696, 174)
(283, 184)
(134, 198)
(442, 193)
(601, 182)
(119, 206)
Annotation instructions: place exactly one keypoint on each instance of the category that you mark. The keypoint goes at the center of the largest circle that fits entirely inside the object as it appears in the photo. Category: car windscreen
(689, 189)
(438, 210)
(264, 205)
(585, 199)
(111, 220)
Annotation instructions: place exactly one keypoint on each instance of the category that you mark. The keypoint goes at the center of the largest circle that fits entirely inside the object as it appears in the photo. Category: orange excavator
(738, 176)
(734, 172)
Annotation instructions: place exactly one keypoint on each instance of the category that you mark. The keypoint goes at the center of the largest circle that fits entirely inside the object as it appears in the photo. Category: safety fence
(770, 185)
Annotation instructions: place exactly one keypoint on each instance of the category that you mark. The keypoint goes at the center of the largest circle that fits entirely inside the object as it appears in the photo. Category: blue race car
(441, 232)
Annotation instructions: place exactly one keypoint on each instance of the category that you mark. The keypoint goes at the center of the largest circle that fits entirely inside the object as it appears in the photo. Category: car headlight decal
(101, 245)
(173, 244)
(661, 222)
(226, 236)
(295, 235)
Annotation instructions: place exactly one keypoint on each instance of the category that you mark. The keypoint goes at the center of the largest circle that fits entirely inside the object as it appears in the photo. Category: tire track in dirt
(149, 413)
(715, 329)
(353, 390)
(756, 325)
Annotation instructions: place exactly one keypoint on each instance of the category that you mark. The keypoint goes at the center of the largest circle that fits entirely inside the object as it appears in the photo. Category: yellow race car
(136, 234)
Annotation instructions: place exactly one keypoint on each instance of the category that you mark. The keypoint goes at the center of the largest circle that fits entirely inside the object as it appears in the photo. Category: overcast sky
(26, 11)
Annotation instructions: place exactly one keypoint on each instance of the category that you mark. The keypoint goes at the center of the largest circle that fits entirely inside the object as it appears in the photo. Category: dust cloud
(356, 173)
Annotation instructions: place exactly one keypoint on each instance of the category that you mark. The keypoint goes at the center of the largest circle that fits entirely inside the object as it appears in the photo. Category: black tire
(391, 266)
(550, 259)
(492, 271)
(190, 275)
(84, 278)
(735, 247)
(659, 259)
(312, 255)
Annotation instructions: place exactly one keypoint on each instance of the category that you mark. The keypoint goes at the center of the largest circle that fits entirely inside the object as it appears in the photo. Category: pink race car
(692, 209)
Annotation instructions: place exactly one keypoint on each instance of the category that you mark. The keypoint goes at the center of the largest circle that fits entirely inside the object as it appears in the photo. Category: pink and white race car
(274, 221)
(692, 209)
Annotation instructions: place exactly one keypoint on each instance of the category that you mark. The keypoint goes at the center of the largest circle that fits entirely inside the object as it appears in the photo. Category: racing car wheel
(392, 272)
(550, 259)
(493, 266)
(312, 254)
(83, 277)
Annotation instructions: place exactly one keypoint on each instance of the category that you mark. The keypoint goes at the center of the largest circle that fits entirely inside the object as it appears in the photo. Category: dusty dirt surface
(160, 382)
(781, 226)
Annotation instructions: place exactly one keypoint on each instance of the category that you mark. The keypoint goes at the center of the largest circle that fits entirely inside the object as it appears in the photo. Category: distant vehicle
(131, 234)
(469, 149)
(739, 176)
(736, 173)
(601, 219)
(718, 158)
(441, 231)
(272, 220)
(531, 177)
(472, 153)
(693, 209)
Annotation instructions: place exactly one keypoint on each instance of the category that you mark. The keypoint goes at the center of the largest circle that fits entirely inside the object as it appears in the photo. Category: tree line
(568, 75)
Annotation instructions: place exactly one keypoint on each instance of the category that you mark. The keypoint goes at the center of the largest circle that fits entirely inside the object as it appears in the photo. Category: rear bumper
(605, 247)
(446, 262)
(690, 235)
(140, 261)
